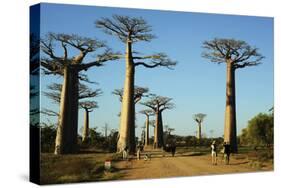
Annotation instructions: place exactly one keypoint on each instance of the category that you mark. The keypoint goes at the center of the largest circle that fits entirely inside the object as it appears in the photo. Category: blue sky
(195, 84)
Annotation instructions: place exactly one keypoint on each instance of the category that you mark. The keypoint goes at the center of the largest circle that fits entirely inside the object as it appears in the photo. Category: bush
(48, 136)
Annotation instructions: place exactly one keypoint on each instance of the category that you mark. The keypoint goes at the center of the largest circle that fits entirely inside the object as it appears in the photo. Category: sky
(196, 85)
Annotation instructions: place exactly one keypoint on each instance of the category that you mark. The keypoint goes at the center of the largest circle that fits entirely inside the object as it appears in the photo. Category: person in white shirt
(214, 153)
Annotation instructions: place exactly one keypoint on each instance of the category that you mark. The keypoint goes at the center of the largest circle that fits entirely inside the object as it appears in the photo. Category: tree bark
(199, 134)
(127, 120)
(85, 135)
(66, 138)
(230, 110)
(158, 137)
(156, 130)
(160, 129)
(147, 131)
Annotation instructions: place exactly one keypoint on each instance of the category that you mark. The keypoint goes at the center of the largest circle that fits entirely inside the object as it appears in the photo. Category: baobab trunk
(86, 127)
(160, 129)
(156, 130)
(158, 137)
(199, 135)
(147, 131)
(230, 110)
(66, 138)
(127, 120)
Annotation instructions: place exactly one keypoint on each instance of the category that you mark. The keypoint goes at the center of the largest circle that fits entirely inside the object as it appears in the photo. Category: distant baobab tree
(84, 92)
(139, 92)
(199, 119)
(131, 30)
(237, 54)
(158, 104)
(147, 114)
(70, 68)
(169, 130)
(88, 106)
(105, 128)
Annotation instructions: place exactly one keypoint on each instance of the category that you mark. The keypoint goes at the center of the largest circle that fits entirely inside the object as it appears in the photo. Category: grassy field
(76, 168)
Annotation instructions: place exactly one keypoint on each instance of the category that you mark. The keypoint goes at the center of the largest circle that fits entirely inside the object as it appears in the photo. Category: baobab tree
(158, 104)
(84, 92)
(88, 106)
(71, 68)
(199, 119)
(237, 54)
(147, 114)
(139, 92)
(131, 30)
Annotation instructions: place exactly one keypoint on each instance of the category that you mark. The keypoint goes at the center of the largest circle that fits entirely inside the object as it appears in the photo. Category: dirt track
(181, 165)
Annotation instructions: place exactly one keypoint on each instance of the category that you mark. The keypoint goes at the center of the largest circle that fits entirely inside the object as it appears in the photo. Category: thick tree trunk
(160, 134)
(199, 134)
(156, 130)
(85, 135)
(230, 110)
(66, 138)
(158, 137)
(127, 120)
(147, 131)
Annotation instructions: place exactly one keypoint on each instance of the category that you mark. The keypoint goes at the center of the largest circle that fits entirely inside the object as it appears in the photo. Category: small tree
(70, 67)
(199, 119)
(236, 54)
(158, 104)
(147, 114)
(88, 106)
(131, 30)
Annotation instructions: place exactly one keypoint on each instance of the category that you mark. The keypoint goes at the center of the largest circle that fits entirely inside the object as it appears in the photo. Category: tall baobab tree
(131, 30)
(199, 119)
(88, 106)
(147, 114)
(139, 92)
(158, 104)
(71, 68)
(236, 54)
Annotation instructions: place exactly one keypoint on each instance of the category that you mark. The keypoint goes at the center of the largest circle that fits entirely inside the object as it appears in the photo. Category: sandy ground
(182, 165)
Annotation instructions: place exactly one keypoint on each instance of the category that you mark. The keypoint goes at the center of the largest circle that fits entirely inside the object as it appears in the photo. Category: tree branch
(156, 60)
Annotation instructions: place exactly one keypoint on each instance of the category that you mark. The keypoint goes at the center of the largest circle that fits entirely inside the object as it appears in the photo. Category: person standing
(214, 152)
(138, 152)
(125, 153)
(226, 151)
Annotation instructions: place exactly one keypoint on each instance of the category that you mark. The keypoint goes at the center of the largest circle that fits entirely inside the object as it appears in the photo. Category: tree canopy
(54, 63)
(84, 92)
(138, 93)
(159, 103)
(199, 117)
(241, 54)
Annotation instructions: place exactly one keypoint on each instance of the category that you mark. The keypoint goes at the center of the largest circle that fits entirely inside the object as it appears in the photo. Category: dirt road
(181, 165)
